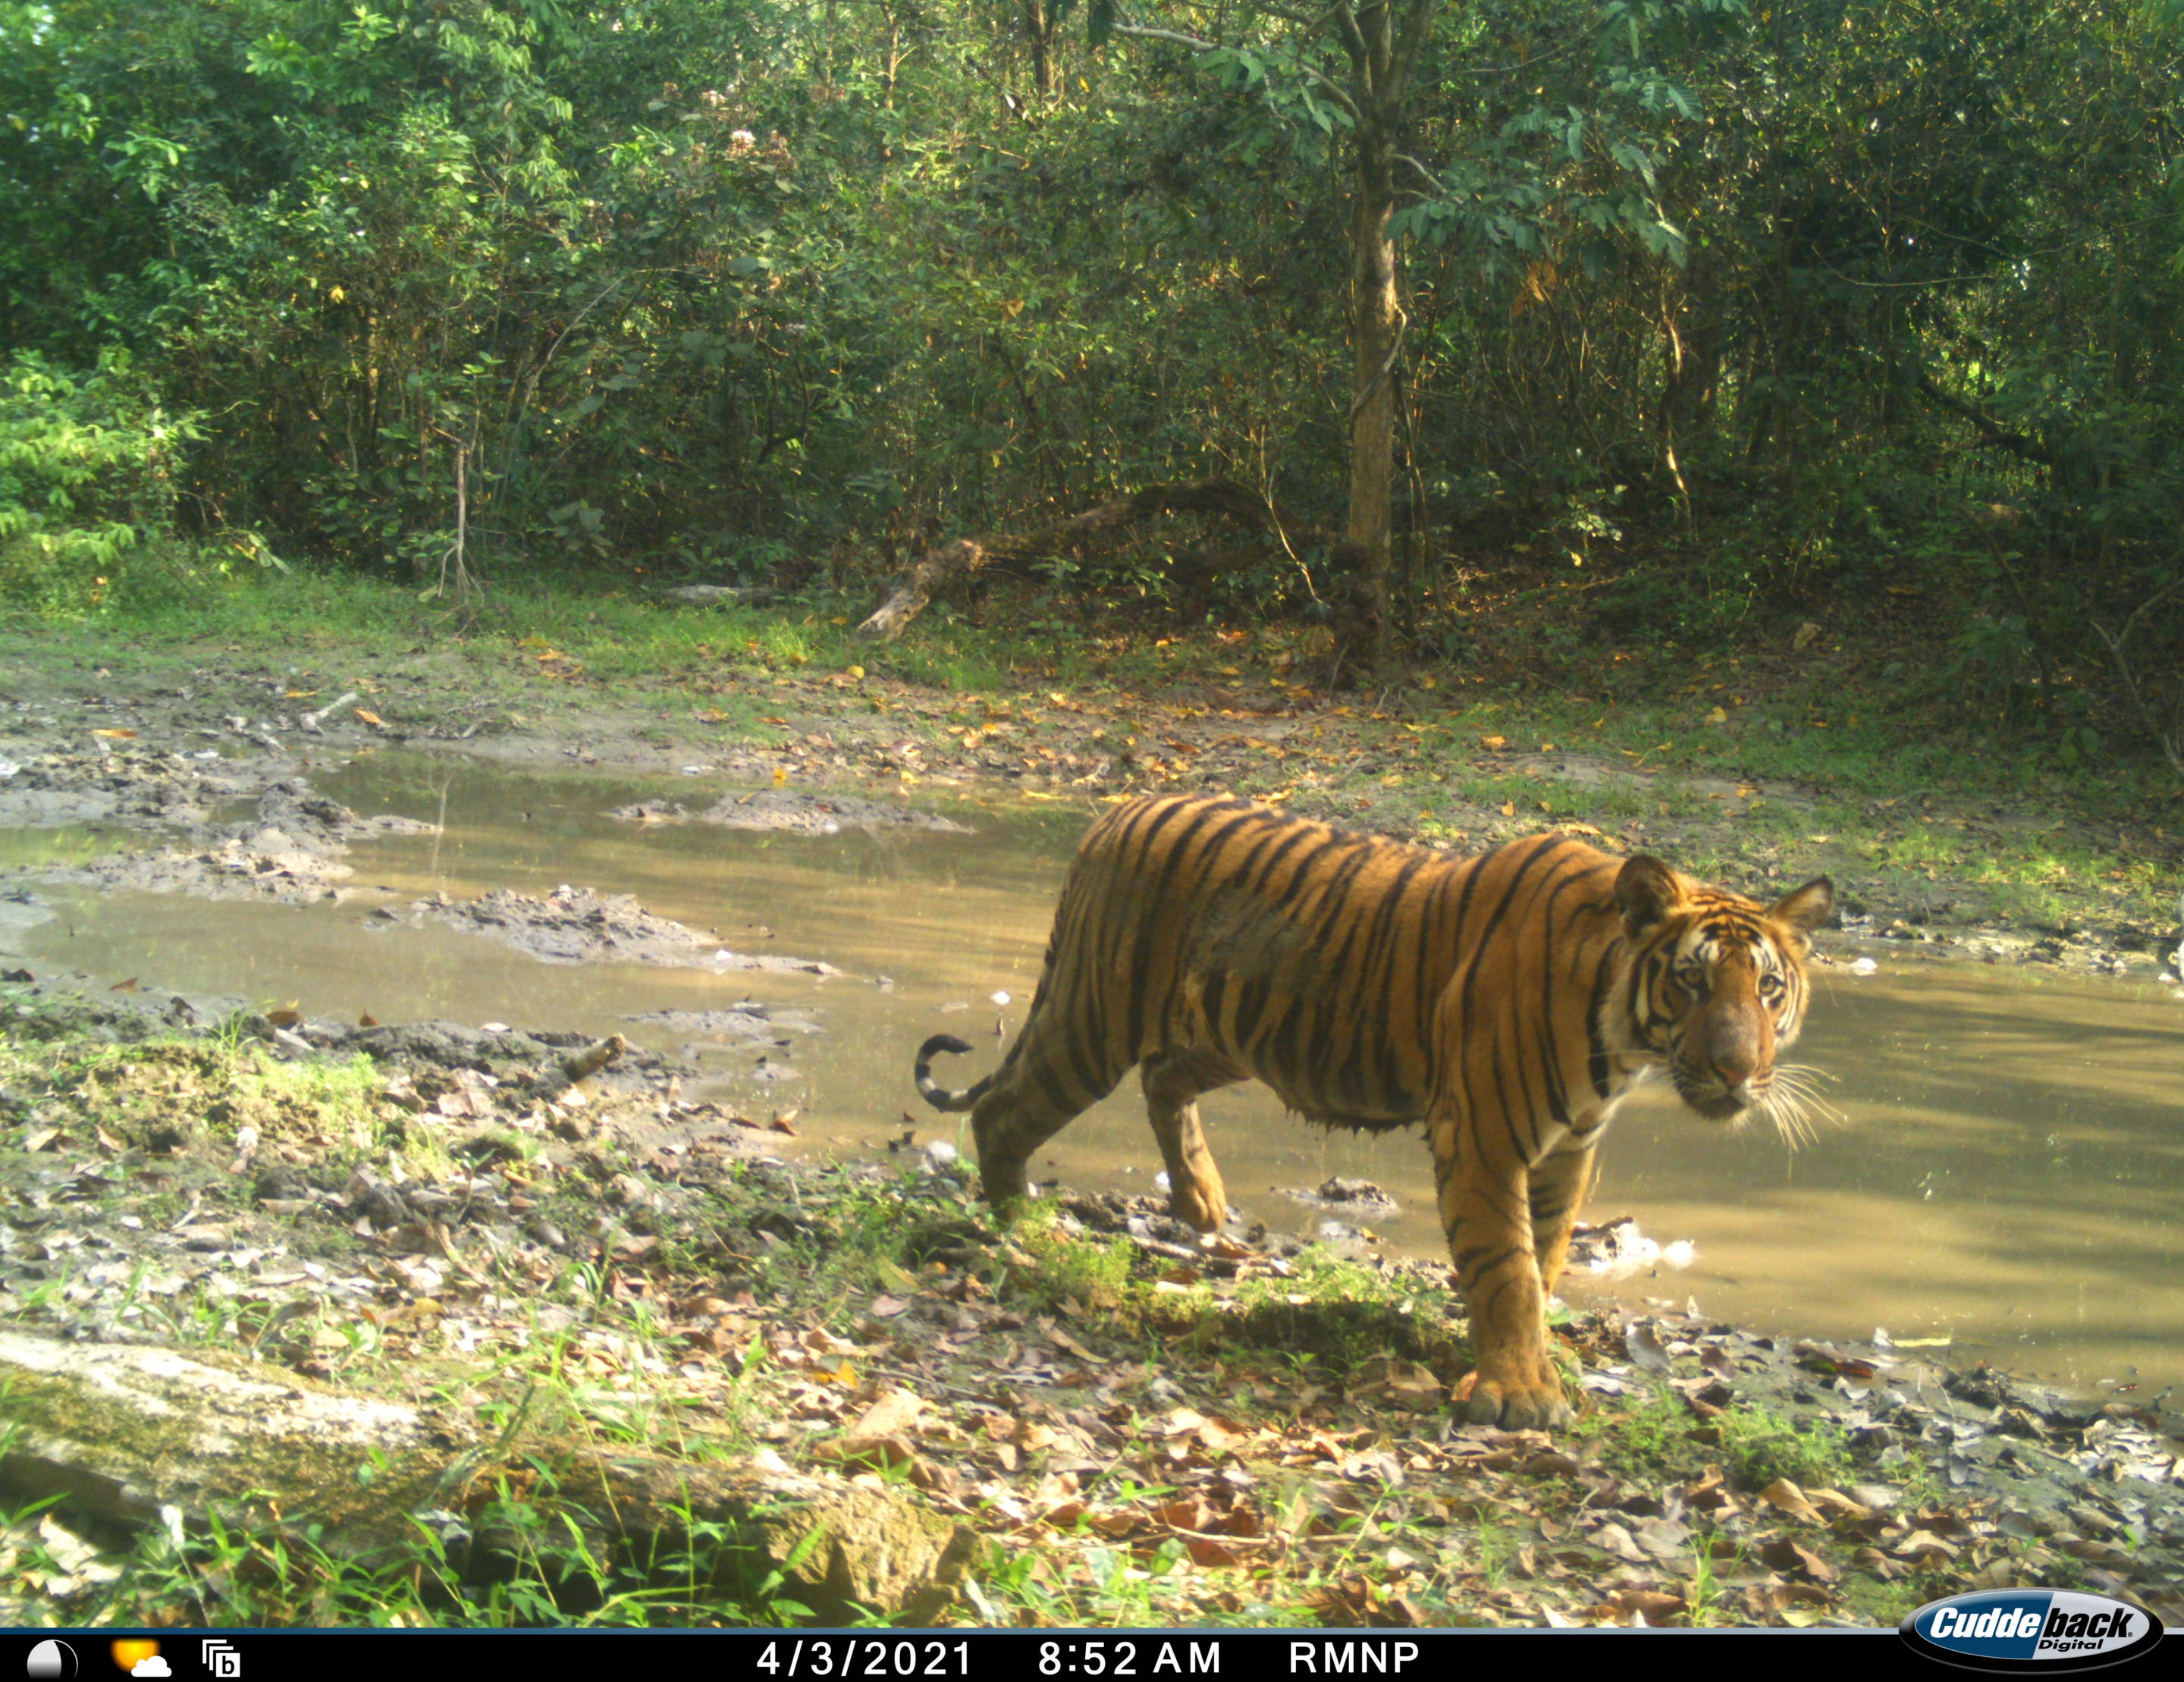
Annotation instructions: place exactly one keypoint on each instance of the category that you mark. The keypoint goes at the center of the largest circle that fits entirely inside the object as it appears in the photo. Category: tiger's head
(1718, 987)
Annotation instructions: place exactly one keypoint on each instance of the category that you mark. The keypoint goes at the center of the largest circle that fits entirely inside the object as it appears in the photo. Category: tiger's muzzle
(1710, 1095)
(1726, 1060)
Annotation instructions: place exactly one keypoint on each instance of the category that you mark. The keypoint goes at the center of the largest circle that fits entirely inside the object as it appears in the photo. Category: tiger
(1508, 1002)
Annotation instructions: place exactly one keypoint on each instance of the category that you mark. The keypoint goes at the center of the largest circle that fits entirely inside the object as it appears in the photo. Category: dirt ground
(162, 744)
(393, 1208)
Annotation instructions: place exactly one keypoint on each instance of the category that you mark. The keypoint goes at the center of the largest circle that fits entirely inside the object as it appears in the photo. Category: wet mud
(792, 812)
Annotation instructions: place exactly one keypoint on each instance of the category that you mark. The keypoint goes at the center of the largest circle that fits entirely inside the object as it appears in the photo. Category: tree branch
(1353, 38)
(1432, 180)
(1991, 431)
(1408, 45)
(1332, 87)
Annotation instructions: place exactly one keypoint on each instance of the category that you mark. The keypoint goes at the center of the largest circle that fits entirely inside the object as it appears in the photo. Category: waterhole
(2006, 1171)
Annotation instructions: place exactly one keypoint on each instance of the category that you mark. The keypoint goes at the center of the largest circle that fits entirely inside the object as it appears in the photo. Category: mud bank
(160, 746)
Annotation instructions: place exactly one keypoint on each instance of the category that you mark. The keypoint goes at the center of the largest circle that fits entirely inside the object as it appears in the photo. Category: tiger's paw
(1198, 1205)
(1516, 1406)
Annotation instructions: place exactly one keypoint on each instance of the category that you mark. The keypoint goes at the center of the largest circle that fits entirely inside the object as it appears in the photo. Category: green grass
(1759, 1446)
(1349, 1315)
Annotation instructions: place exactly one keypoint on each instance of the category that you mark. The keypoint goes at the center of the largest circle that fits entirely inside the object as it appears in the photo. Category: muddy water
(2006, 1171)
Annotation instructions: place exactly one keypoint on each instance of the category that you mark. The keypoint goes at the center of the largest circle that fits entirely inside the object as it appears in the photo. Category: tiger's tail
(939, 1097)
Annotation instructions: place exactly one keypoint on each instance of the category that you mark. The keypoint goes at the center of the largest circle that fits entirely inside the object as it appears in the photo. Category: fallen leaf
(882, 1452)
(1645, 1348)
(1655, 1606)
(1069, 1345)
(1785, 1496)
(1783, 1554)
(1838, 1506)
(886, 1418)
(1824, 1357)
(371, 718)
(1189, 1513)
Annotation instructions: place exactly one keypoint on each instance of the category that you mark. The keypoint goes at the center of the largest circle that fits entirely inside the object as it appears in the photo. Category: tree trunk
(1376, 324)
(1039, 24)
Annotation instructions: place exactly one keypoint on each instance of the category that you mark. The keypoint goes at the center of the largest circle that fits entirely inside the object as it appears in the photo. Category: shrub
(88, 466)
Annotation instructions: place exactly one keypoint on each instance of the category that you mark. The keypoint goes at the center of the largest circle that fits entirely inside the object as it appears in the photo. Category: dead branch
(960, 557)
(2171, 741)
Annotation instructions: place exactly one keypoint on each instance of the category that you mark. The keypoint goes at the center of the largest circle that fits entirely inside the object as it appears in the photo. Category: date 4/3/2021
(875, 1657)
(1013, 1653)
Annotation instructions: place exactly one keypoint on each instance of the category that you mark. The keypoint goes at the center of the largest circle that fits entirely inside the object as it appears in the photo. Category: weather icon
(51, 1659)
(136, 1650)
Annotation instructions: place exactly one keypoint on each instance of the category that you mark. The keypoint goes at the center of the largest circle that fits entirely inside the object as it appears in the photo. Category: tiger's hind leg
(1034, 1099)
(1174, 1081)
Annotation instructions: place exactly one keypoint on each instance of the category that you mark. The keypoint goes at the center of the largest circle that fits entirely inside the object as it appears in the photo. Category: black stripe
(1596, 1064)
(1150, 911)
(1477, 948)
(1372, 1034)
(1430, 918)
(1050, 1082)
(1327, 1002)
(1251, 998)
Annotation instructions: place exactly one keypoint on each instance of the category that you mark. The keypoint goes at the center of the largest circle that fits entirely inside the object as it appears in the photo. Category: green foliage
(87, 472)
(1728, 312)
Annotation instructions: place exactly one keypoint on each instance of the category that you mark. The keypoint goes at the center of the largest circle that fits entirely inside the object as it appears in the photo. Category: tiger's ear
(1648, 891)
(1808, 908)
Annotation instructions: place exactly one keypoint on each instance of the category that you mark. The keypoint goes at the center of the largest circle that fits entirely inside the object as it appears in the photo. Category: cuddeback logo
(2031, 1629)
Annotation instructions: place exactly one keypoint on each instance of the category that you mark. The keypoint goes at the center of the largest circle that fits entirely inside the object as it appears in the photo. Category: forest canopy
(1716, 308)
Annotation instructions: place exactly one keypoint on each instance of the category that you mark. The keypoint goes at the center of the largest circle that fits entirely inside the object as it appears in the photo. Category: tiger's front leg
(1557, 1188)
(1485, 1208)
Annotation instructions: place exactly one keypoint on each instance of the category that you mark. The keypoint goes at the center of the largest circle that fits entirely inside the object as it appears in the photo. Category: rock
(574, 925)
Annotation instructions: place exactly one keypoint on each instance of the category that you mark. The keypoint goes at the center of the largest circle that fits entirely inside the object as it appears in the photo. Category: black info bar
(822, 1656)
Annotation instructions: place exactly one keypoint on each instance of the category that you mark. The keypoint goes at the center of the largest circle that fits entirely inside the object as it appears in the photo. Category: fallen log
(947, 563)
(119, 1432)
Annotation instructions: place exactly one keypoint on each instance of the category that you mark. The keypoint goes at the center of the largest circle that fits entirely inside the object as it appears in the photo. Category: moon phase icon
(49, 1660)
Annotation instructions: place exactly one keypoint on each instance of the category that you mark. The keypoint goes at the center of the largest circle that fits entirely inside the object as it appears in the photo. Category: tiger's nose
(1734, 1053)
(1735, 1070)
